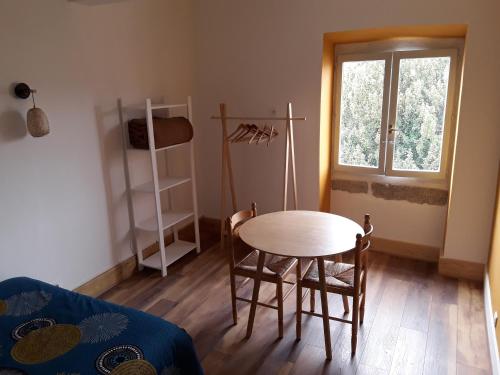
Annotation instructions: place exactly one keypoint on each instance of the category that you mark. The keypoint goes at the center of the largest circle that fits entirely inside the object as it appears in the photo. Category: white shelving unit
(161, 220)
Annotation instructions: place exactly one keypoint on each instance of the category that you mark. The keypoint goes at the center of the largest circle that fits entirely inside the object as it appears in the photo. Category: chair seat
(274, 265)
(338, 275)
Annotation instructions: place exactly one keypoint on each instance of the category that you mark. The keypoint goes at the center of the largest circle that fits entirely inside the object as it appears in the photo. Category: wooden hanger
(236, 133)
(250, 129)
(272, 134)
(262, 134)
(256, 134)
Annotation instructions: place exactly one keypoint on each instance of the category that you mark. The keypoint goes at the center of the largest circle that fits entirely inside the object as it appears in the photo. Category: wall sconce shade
(38, 123)
(36, 119)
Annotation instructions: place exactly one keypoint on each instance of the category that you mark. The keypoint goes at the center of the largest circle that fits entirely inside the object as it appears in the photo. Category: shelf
(164, 184)
(173, 252)
(169, 219)
(172, 146)
(130, 147)
(154, 106)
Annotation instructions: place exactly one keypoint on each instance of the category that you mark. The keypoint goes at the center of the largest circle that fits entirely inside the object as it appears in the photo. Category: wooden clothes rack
(227, 164)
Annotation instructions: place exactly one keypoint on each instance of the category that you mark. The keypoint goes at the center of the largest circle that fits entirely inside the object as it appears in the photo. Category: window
(394, 108)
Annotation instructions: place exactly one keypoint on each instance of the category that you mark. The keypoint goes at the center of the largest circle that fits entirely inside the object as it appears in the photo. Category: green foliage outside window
(361, 112)
(420, 112)
(422, 92)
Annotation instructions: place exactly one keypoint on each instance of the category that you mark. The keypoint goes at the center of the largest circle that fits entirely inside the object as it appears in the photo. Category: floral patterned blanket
(48, 330)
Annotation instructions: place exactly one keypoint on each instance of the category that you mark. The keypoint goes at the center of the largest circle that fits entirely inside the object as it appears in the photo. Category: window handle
(392, 129)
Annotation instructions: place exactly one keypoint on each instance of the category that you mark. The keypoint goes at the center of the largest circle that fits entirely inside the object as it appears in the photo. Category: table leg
(338, 259)
(324, 307)
(255, 294)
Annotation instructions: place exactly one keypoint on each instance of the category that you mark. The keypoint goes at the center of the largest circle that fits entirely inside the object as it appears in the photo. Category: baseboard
(108, 279)
(125, 269)
(122, 271)
(382, 245)
(210, 224)
(461, 269)
(449, 267)
(406, 249)
(490, 327)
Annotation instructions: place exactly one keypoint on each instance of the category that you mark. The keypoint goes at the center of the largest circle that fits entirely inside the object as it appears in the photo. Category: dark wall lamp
(36, 119)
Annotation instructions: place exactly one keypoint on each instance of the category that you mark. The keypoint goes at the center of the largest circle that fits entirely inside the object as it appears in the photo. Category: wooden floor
(416, 322)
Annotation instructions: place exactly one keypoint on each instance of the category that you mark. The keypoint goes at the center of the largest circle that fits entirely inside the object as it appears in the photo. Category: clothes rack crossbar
(227, 170)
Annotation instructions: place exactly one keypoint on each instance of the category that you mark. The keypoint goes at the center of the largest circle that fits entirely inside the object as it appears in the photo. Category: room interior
(172, 171)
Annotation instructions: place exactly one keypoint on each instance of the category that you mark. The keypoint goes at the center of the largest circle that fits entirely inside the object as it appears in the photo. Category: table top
(301, 233)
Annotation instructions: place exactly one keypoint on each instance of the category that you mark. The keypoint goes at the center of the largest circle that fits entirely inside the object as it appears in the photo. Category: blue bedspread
(48, 330)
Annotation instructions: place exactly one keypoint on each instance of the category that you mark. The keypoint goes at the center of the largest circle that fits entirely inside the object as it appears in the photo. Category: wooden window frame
(392, 52)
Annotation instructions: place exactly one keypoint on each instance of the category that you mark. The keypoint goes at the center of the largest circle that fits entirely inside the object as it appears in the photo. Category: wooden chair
(344, 279)
(276, 268)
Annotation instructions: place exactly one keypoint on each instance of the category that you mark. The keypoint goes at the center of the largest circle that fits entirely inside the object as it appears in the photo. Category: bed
(48, 330)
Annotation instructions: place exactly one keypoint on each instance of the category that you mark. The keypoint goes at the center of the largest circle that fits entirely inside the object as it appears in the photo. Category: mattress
(48, 330)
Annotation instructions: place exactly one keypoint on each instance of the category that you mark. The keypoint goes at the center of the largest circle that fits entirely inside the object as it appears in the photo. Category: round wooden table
(299, 234)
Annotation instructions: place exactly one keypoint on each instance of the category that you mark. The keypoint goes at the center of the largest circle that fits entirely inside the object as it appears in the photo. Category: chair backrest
(366, 238)
(232, 224)
(362, 245)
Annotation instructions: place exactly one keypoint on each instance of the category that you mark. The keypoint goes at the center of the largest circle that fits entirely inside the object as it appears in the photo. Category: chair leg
(346, 304)
(363, 290)
(324, 308)
(298, 310)
(312, 300)
(362, 312)
(255, 293)
(279, 294)
(355, 324)
(233, 298)
(338, 258)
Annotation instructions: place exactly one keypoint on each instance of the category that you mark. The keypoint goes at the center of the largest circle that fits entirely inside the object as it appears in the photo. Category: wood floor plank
(311, 324)
(214, 362)
(150, 292)
(122, 291)
(343, 362)
(383, 337)
(277, 352)
(472, 348)
(311, 361)
(410, 352)
(286, 369)
(417, 310)
(366, 370)
(161, 307)
(441, 349)
(467, 370)
(444, 290)
(407, 303)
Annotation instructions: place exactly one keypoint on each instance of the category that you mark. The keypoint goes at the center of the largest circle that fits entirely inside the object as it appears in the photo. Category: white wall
(255, 56)
(63, 210)
(415, 223)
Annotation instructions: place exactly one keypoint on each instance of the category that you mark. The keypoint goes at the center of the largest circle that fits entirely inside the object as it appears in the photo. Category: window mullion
(385, 113)
(391, 135)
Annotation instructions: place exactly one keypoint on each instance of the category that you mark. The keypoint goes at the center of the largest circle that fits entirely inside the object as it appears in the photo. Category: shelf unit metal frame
(162, 220)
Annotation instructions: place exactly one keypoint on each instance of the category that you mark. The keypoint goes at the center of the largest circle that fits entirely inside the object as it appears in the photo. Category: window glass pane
(361, 112)
(420, 113)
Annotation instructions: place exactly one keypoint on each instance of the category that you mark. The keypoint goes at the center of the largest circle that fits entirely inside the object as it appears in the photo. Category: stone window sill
(420, 191)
